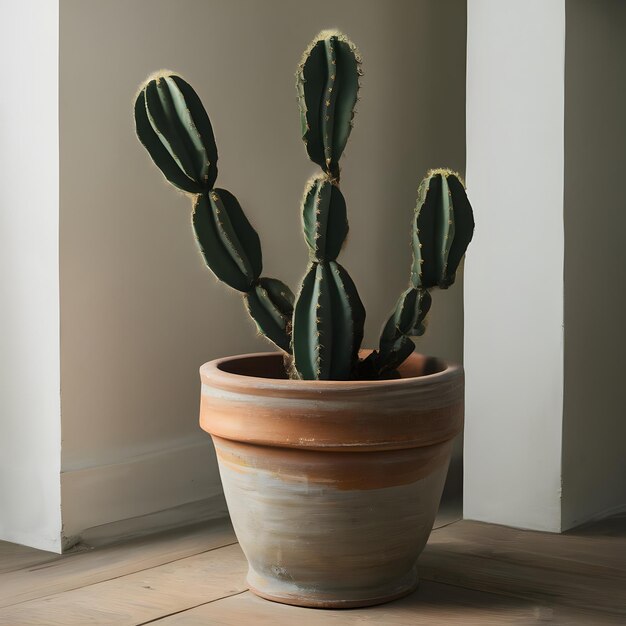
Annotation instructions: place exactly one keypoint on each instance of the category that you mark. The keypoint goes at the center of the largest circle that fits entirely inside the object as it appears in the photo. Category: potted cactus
(332, 458)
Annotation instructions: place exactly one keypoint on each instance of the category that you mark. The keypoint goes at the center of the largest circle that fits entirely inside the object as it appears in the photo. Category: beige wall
(139, 310)
(594, 463)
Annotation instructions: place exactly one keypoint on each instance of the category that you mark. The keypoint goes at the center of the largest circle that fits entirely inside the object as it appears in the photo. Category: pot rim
(213, 373)
(356, 416)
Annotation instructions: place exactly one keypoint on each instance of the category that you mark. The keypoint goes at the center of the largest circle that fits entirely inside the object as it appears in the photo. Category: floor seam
(190, 608)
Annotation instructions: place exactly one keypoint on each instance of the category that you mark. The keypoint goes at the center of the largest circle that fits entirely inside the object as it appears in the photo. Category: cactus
(322, 329)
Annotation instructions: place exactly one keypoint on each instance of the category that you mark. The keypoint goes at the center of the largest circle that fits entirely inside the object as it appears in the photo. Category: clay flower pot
(332, 487)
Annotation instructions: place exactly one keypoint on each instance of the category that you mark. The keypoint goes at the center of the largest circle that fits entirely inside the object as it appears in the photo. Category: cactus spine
(321, 329)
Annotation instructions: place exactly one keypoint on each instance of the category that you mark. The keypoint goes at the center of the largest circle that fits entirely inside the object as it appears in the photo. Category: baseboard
(153, 491)
(123, 530)
(591, 518)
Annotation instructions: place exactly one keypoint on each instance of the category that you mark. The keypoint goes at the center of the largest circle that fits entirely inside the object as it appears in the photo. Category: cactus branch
(176, 131)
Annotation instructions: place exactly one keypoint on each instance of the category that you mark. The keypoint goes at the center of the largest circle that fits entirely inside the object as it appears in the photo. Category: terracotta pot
(332, 487)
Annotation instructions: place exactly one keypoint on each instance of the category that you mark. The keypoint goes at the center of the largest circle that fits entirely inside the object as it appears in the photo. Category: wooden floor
(471, 573)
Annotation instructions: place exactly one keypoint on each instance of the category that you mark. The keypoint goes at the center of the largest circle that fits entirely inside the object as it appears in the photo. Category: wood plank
(140, 597)
(581, 571)
(510, 577)
(71, 572)
(432, 604)
(594, 544)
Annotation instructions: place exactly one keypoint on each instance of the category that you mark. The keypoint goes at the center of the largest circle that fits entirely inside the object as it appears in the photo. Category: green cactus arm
(442, 229)
(327, 85)
(220, 238)
(270, 304)
(173, 126)
(463, 227)
(158, 152)
(324, 219)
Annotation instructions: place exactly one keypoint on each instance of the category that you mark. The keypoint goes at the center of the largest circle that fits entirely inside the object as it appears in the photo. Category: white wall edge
(30, 414)
(514, 272)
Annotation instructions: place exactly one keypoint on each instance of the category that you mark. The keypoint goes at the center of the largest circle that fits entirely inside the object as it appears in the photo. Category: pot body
(332, 486)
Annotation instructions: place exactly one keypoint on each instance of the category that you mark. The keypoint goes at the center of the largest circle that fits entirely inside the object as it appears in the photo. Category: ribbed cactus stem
(442, 229)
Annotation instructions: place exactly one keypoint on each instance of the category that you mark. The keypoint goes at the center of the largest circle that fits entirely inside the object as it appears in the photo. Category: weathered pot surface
(332, 486)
